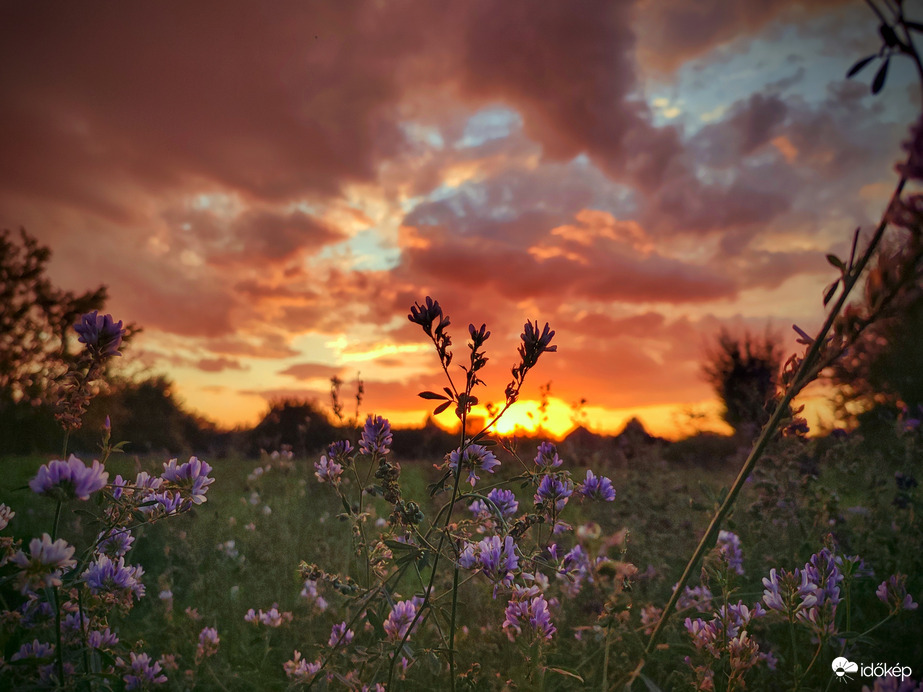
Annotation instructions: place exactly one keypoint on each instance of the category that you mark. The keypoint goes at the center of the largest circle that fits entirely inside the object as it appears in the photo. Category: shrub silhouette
(744, 374)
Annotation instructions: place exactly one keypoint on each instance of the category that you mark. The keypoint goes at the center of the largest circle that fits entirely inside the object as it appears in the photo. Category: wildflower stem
(802, 676)
(57, 519)
(452, 628)
(59, 650)
(803, 377)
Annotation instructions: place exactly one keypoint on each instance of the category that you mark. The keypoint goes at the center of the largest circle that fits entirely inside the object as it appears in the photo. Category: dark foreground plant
(887, 281)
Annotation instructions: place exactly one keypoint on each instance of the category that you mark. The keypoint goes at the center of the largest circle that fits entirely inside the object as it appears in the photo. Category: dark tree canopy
(744, 373)
(35, 317)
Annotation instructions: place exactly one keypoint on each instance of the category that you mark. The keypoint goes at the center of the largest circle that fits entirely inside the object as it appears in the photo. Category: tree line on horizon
(878, 379)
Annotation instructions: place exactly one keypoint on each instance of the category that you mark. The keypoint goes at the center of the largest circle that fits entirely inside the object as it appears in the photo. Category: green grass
(659, 514)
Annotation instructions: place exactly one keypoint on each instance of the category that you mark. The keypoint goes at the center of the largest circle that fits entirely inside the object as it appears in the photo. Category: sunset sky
(266, 188)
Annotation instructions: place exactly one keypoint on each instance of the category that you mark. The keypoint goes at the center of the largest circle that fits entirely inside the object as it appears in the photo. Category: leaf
(888, 36)
(430, 395)
(376, 623)
(439, 486)
(441, 407)
(832, 259)
(831, 290)
(565, 673)
(855, 69)
(882, 75)
(346, 505)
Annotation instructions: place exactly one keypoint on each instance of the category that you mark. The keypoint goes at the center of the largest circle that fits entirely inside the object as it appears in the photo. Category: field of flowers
(794, 564)
(811, 564)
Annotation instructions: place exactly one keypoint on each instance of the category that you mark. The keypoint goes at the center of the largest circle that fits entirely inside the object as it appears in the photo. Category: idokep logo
(842, 667)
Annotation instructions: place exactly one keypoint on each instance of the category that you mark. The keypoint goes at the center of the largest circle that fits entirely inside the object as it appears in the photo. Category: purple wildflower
(399, 619)
(327, 470)
(552, 490)
(505, 501)
(64, 480)
(271, 618)
(339, 452)
(6, 514)
(299, 670)
(535, 344)
(474, 458)
(115, 542)
(101, 334)
(191, 477)
(208, 643)
(547, 456)
(532, 614)
(729, 549)
(34, 649)
(574, 570)
(141, 671)
(468, 558)
(311, 595)
(498, 560)
(102, 639)
(426, 314)
(45, 563)
(340, 634)
(893, 593)
(376, 436)
(789, 593)
(597, 488)
(106, 576)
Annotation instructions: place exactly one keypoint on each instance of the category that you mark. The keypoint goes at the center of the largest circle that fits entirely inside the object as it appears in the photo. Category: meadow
(242, 549)
(769, 561)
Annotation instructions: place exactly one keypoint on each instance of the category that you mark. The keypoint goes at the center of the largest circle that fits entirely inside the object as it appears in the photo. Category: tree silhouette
(35, 317)
(744, 373)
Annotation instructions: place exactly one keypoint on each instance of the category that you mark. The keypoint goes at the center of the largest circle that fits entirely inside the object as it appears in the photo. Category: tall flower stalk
(846, 326)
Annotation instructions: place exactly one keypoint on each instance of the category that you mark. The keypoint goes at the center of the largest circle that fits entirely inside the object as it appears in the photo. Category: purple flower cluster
(45, 563)
(535, 344)
(100, 333)
(64, 480)
(340, 635)
(554, 491)
(547, 456)
(271, 618)
(495, 558)
(893, 593)
(811, 594)
(115, 579)
(597, 488)
(208, 643)
(475, 458)
(141, 672)
(328, 470)
(115, 542)
(400, 617)
(191, 477)
(528, 610)
(6, 515)
(339, 452)
(504, 500)
(102, 639)
(730, 551)
(376, 436)
(727, 629)
(299, 670)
